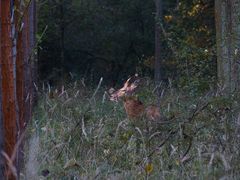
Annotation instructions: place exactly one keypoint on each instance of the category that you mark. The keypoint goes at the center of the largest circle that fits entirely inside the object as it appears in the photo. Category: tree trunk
(27, 67)
(227, 18)
(1, 124)
(8, 84)
(33, 30)
(158, 44)
(62, 34)
(1, 117)
(20, 79)
(16, 48)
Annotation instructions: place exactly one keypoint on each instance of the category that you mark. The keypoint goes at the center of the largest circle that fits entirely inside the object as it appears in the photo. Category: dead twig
(163, 142)
(10, 160)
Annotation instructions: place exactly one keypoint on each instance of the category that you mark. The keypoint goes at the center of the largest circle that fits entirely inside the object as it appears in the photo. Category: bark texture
(17, 41)
(8, 82)
(7, 73)
(227, 18)
(158, 44)
(1, 132)
(1, 117)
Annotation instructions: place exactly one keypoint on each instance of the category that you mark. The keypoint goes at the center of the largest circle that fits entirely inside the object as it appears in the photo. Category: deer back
(134, 108)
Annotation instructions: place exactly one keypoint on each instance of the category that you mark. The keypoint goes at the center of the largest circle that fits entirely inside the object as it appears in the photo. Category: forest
(104, 89)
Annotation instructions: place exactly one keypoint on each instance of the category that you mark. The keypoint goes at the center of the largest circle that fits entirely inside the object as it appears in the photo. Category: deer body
(134, 108)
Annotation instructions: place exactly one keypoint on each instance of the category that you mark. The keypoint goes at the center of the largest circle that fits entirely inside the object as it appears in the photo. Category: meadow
(77, 133)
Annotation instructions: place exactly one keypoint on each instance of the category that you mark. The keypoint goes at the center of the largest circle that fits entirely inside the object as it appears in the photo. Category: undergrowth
(85, 136)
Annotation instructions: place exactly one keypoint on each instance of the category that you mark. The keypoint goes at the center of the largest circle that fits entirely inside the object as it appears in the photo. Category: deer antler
(131, 84)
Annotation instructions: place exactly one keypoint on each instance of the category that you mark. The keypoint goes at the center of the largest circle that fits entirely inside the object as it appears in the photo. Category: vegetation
(190, 49)
(85, 136)
(116, 39)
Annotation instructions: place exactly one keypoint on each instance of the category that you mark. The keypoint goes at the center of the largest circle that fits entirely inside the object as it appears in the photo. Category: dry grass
(83, 135)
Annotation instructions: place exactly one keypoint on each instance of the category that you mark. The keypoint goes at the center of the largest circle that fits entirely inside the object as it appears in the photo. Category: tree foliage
(191, 35)
(114, 39)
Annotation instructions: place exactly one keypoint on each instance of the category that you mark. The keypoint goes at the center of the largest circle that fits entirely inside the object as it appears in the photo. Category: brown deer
(134, 108)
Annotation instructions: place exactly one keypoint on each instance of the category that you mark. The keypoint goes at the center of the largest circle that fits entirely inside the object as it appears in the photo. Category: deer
(139, 114)
(135, 109)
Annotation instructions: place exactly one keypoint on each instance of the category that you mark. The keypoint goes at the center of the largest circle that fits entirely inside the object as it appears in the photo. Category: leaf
(149, 168)
(71, 163)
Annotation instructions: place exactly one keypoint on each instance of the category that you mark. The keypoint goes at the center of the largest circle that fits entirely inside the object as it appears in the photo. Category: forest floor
(77, 133)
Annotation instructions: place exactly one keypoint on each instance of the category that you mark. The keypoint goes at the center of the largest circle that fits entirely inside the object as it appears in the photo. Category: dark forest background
(115, 39)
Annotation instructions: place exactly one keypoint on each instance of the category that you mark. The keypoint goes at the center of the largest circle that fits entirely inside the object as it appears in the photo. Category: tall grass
(82, 135)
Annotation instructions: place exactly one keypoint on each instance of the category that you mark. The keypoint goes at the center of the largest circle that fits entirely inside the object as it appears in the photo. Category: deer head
(128, 89)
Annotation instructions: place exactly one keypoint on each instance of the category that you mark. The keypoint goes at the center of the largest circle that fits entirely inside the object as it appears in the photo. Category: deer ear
(113, 94)
(114, 97)
(134, 85)
(111, 90)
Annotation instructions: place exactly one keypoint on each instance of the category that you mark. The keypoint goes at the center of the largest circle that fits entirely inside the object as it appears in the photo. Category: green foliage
(86, 136)
(115, 39)
(191, 34)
